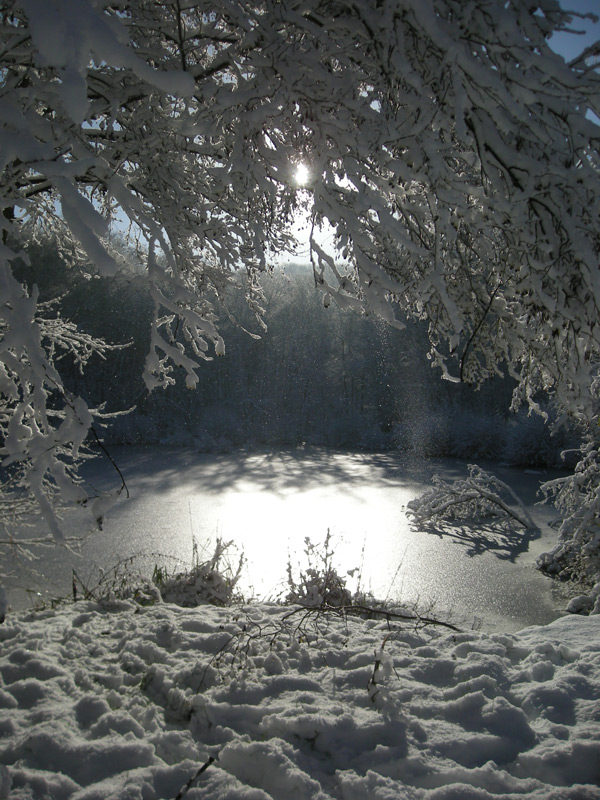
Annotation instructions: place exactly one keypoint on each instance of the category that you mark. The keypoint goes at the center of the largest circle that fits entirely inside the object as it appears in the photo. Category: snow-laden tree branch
(478, 496)
(452, 151)
(43, 426)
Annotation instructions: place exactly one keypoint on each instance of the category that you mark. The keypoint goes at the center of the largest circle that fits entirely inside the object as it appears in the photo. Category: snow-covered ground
(124, 702)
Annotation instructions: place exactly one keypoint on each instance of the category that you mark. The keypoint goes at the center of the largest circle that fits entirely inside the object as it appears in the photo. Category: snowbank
(128, 703)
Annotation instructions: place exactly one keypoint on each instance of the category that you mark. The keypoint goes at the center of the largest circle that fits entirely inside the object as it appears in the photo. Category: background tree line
(317, 375)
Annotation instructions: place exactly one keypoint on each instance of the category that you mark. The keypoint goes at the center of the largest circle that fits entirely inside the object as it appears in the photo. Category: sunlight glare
(302, 175)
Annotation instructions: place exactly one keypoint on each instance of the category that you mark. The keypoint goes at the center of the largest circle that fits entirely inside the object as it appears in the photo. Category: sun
(301, 175)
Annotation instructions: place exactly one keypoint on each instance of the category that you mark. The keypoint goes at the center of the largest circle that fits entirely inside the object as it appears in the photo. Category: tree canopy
(454, 154)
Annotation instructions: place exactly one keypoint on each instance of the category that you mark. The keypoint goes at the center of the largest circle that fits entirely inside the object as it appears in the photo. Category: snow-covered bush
(43, 426)
(586, 603)
(318, 585)
(212, 581)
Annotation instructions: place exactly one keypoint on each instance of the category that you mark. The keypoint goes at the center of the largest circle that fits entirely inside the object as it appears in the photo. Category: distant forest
(316, 376)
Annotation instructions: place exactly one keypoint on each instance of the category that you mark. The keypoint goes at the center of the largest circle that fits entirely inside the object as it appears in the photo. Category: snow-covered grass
(212, 580)
(116, 701)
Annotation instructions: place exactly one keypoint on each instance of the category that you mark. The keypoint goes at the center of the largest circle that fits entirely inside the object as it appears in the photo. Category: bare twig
(101, 445)
(185, 789)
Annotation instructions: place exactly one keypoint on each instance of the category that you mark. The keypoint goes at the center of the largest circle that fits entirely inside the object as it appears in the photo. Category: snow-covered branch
(478, 496)
(43, 427)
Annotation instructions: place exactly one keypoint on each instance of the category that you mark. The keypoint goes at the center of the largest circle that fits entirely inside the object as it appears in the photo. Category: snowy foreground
(128, 702)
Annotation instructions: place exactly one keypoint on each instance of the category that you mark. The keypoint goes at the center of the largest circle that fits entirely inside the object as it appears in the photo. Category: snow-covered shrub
(586, 603)
(213, 581)
(479, 496)
(319, 584)
(577, 554)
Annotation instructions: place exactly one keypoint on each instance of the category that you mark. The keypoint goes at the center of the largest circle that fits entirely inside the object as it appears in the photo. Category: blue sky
(570, 45)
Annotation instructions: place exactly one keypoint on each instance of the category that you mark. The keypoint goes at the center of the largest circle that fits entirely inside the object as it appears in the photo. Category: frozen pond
(268, 503)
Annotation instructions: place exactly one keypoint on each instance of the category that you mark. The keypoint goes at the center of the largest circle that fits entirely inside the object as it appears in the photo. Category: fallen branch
(360, 610)
(470, 498)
